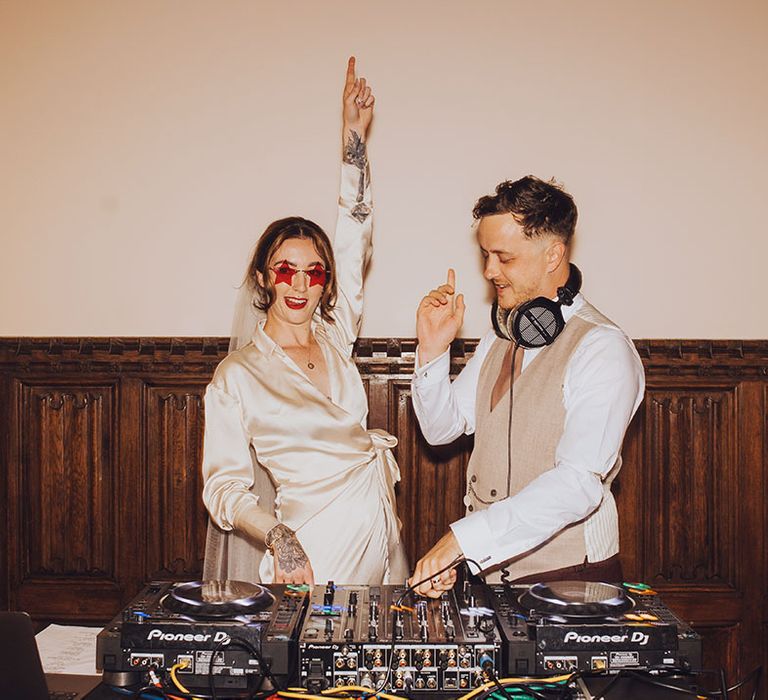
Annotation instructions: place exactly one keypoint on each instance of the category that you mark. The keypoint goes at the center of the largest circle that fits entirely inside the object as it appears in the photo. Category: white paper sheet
(68, 649)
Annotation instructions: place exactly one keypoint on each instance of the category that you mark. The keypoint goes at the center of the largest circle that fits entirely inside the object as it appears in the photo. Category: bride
(293, 396)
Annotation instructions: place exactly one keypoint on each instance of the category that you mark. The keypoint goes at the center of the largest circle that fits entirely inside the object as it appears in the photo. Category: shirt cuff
(434, 371)
(475, 538)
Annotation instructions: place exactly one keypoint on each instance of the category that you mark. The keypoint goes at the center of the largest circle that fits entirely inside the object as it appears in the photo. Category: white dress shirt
(603, 387)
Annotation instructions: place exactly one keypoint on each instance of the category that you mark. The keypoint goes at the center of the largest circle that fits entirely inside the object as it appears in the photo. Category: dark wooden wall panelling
(101, 445)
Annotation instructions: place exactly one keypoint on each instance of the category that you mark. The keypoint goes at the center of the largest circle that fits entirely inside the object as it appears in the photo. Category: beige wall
(144, 145)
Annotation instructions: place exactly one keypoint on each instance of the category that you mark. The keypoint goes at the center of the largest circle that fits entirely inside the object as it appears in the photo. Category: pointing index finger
(452, 278)
(350, 79)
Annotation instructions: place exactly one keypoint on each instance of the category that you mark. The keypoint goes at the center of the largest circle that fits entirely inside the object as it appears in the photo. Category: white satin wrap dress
(334, 479)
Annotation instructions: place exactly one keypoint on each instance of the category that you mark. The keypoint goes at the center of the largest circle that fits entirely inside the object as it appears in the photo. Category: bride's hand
(291, 561)
(358, 101)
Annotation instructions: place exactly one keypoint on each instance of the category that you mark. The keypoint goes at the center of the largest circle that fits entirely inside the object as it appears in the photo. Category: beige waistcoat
(538, 417)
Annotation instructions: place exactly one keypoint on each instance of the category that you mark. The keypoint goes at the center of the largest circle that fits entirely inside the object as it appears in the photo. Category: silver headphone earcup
(537, 323)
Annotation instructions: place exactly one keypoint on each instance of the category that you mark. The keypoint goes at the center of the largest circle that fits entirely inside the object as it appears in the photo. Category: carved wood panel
(67, 481)
(757, 452)
(690, 482)
(9, 525)
(175, 513)
(61, 489)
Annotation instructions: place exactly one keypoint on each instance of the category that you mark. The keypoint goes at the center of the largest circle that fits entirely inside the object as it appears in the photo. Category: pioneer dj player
(236, 631)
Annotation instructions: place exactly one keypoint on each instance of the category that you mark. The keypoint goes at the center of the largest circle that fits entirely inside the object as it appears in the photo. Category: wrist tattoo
(289, 554)
(276, 533)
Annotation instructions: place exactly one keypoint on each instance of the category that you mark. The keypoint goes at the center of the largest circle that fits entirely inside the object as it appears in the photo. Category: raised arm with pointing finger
(292, 396)
(444, 409)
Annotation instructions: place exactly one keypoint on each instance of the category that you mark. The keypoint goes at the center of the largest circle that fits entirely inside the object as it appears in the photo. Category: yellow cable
(332, 691)
(361, 689)
(176, 681)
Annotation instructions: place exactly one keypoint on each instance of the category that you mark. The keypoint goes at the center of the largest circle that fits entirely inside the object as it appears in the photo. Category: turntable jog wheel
(578, 601)
(217, 599)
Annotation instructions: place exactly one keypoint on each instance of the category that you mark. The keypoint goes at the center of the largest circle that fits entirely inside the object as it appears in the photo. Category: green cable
(520, 693)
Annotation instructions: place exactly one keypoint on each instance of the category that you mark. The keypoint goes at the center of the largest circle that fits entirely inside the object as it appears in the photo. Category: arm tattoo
(286, 548)
(360, 212)
(355, 153)
(289, 554)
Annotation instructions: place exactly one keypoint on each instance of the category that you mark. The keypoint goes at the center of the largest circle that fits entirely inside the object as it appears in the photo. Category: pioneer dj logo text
(636, 637)
(218, 638)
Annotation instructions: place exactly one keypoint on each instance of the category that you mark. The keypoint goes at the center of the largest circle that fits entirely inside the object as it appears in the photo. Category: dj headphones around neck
(537, 322)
